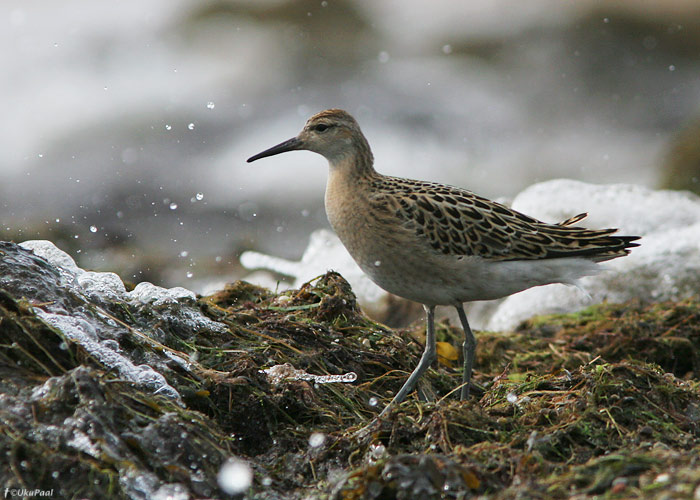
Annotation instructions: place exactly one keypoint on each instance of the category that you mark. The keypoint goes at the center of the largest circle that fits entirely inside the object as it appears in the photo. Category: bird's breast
(347, 213)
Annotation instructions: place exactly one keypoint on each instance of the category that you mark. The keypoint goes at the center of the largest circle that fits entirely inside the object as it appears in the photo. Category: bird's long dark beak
(292, 144)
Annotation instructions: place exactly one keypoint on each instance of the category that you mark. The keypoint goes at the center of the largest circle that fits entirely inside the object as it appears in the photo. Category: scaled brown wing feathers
(457, 222)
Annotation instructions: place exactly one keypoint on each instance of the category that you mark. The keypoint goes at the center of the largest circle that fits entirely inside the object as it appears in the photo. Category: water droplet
(218, 258)
(511, 397)
(324, 3)
(40, 155)
(606, 20)
(383, 57)
(211, 105)
(173, 206)
(376, 452)
(189, 274)
(184, 253)
(373, 401)
(168, 127)
(447, 49)
(662, 478)
(266, 481)
(190, 126)
(58, 220)
(235, 476)
(317, 439)
(199, 196)
(377, 263)
(93, 229)
(672, 68)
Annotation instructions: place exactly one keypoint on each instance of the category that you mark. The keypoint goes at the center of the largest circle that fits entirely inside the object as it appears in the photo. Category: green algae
(603, 403)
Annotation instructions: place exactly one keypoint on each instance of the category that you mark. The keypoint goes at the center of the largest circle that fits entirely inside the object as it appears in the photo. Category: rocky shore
(158, 393)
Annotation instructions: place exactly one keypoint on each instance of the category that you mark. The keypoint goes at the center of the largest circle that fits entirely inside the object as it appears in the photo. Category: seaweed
(603, 403)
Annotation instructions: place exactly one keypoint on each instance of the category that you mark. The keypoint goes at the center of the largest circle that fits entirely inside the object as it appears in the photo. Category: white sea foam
(95, 329)
(324, 252)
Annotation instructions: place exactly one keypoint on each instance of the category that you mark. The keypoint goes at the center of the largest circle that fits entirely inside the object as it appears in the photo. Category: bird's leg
(429, 355)
(468, 349)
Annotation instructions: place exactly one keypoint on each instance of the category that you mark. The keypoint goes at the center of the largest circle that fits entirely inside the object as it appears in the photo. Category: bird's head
(332, 133)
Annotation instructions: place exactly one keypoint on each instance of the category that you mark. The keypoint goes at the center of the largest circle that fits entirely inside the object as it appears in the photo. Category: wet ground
(604, 403)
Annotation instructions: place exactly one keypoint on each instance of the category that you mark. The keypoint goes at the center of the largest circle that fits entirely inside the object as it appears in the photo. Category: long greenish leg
(429, 355)
(469, 350)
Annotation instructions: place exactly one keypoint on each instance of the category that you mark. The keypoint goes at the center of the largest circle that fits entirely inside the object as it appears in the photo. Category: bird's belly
(404, 269)
(418, 274)
(454, 281)
(416, 277)
(403, 277)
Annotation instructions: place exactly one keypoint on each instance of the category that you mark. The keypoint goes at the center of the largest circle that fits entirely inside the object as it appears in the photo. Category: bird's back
(457, 222)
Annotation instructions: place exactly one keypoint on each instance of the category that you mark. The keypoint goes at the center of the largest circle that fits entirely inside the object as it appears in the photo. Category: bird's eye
(321, 127)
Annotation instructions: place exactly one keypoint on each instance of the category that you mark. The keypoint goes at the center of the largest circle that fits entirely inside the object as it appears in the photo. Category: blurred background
(126, 125)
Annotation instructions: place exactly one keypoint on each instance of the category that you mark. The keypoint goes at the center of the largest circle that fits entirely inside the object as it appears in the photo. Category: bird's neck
(349, 184)
(353, 164)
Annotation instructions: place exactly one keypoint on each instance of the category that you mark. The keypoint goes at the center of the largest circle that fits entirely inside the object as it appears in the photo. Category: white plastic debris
(279, 373)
